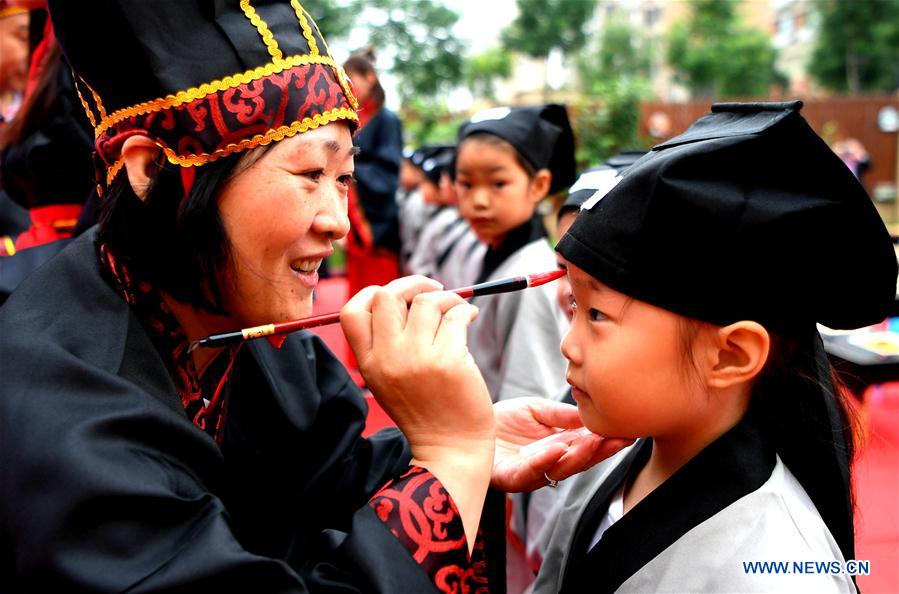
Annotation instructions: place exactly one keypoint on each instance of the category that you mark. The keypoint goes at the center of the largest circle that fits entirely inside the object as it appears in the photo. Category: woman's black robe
(106, 485)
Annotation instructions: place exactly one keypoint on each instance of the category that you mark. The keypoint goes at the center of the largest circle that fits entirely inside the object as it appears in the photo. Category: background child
(697, 282)
(509, 160)
(446, 248)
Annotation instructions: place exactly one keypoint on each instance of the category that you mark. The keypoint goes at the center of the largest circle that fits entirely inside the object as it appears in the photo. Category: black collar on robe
(529, 231)
(734, 465)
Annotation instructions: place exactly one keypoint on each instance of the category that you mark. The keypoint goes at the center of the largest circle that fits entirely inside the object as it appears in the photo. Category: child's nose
(569, 347)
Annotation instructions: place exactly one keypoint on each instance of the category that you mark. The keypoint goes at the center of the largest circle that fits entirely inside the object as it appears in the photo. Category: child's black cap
(599, 179)
(541, 134)
(437, 159)
(746, 215)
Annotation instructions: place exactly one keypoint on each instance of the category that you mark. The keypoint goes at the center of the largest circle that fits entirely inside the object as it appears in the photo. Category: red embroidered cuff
(421, 514)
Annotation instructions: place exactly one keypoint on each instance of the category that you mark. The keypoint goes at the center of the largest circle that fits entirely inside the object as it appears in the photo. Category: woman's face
(626, 365)
(13, 53)
(281, 215)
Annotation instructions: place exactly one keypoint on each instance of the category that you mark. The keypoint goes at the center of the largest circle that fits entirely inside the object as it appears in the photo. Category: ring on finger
(550, 482)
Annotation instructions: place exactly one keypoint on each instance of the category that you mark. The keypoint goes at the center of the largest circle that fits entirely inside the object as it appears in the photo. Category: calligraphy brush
(505, 285)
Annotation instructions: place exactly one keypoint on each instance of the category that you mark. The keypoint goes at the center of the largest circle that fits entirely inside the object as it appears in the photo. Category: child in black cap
(698, 281)
(446, 246)
(509, 160)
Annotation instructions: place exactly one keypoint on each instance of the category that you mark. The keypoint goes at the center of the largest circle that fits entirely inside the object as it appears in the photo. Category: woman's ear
(141, 163)
(540, 185)
(738, 354)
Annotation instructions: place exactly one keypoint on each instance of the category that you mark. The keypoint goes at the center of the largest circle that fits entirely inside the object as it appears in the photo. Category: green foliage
(417, 34)
(606, 123)
(429, 123)
(543, 25)
(482, 70)
(427, 55)
(334, 18)
(619, 52)
(714, 55)
(614, 73)
(858, 45)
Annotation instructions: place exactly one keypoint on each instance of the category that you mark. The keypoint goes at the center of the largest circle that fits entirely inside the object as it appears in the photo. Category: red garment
(366, 264)
(421, 514)
(48, 224)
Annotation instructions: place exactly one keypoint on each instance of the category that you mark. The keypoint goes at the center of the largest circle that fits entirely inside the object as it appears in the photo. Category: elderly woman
(130, 462)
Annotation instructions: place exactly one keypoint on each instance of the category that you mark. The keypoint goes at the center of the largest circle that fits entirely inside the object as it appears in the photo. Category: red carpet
(876, 471)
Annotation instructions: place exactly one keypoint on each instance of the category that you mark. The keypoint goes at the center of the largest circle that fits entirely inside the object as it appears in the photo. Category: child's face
(430, 193)
(495, 194)
(626, 365)
(563, 285)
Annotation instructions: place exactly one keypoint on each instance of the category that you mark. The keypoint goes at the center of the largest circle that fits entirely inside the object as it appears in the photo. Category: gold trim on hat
(216, 86)
(11, 11)
(267, 38)
(304, 24)
(275, 134)
(87, 108)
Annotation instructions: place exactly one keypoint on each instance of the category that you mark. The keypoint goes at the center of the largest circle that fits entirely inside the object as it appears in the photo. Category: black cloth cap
(746, 215)
(541, 134)
(598, 179)
(436, 160)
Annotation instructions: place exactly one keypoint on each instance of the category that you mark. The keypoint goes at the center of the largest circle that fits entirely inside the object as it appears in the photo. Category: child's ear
(141, 162)
(738, 354)
(540, 185)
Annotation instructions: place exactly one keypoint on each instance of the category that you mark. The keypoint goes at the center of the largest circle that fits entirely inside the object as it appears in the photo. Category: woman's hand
(415, 360)
(523, 421)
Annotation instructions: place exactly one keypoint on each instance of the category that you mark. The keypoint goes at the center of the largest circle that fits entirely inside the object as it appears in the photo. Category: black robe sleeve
(106, 486)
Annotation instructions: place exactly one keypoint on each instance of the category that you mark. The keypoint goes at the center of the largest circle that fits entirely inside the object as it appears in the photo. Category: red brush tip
(541, 278)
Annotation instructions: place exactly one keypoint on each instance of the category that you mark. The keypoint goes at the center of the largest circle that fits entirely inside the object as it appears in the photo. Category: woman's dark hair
(363, 62)
(39, 102)
(494, 140)
(178, 244)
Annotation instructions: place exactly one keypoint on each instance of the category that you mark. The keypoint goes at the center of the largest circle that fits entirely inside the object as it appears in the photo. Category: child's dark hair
(178, 245)
(496, 141)
(363, 62)
(786, 402)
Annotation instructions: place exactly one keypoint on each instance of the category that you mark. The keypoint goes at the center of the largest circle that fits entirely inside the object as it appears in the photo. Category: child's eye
(595, 315)
(499, 185)
(572, 303)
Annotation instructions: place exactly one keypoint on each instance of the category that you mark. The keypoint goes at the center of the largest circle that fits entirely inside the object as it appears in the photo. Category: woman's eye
(346, 180)
(595, 315)
(313, 174)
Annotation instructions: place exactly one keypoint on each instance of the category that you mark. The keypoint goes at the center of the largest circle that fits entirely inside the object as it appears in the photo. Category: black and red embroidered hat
(202, 78)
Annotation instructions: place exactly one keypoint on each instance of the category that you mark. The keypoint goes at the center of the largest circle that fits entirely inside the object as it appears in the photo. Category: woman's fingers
(426, 314)
(555, 414)
(453, 330)
(584, 453)
(355, 319)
